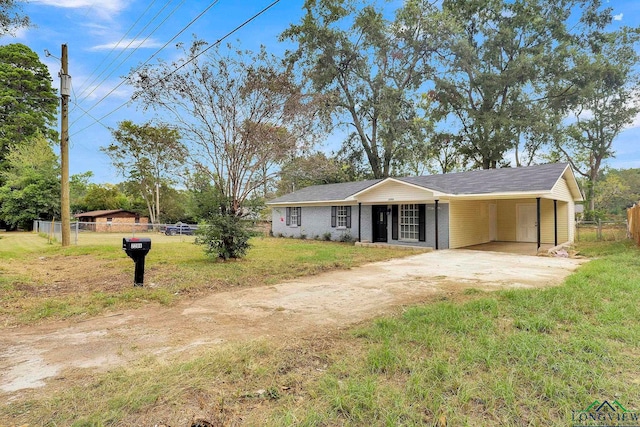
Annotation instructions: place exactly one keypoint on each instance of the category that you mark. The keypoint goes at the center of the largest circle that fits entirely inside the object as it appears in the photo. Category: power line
(217, 42)
(133, 50)
(152, 56)
(118, 44)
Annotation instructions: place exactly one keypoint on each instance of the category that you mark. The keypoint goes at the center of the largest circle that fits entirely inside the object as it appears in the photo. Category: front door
(527, 226)
(379, 223)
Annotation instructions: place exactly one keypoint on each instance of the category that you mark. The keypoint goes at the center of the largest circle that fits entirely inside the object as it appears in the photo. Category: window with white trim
(409, 222)
(293, 218)
(341, 216)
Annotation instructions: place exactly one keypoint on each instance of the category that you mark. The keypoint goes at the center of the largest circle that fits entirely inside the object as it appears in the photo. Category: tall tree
(605, 83)
(492, 85)
(148, 155)
(28, 103)
(31, 187)
(370, 68)
(11, 17)
(242, 114)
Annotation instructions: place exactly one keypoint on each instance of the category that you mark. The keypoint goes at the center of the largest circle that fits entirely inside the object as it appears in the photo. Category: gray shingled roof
(524, 179)
(326, 192)
(505, 180)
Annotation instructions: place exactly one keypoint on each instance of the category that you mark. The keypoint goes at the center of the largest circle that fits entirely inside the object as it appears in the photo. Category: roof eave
(501, 195)
(309, 202)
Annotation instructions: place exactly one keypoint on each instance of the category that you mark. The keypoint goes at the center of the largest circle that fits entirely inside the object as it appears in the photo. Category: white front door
(526, 224)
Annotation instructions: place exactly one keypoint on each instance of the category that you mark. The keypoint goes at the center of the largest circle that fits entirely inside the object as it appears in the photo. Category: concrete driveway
(31, 356)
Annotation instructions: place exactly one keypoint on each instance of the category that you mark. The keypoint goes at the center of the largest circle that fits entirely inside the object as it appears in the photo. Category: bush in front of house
(224, 236)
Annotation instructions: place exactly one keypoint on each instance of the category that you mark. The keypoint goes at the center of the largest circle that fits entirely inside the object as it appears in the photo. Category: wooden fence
(633, 219)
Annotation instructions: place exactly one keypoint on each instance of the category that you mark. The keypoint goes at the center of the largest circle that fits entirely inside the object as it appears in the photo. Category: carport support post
(436, 221)
(359, 222)
(538, 220)
(555, 223)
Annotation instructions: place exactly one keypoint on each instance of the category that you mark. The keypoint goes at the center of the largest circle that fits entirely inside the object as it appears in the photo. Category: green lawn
(41, 280)
(507, 358)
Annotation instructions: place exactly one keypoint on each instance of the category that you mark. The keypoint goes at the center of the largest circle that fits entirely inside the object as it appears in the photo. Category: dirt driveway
(32, 356)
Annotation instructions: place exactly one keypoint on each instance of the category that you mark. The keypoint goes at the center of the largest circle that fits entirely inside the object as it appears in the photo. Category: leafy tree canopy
(28, 103)
(31, 187)
(241, 113)
(313, 169)
(369, 69)
(148, 155)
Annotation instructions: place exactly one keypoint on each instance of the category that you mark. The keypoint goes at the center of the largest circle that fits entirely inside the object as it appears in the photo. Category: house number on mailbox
(136, 245)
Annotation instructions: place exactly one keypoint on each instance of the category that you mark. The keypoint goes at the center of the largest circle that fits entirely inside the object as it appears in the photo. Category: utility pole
(65, 210)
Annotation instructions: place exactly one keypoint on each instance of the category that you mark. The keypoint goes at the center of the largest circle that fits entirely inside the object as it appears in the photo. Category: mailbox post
(137, 248)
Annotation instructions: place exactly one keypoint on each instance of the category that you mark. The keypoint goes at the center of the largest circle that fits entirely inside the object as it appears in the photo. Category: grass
(510, 358)
(43, 281)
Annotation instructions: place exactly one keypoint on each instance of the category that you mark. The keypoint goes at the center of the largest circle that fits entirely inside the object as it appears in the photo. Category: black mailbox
(137, 248)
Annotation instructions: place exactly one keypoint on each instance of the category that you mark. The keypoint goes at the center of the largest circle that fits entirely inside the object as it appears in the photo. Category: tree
(11, 17)
(78, 187)
(616, 190)
(493, 81)
(312, 169)
(31, 187)
(369, 69)
(605, 82)
(28, 103)
(103, 196)
(148, 155)
(204, 198)
(241, 113)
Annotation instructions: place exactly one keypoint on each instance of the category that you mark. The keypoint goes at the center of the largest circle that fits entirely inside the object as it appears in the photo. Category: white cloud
(129, 44)
(618, 17)
(105, 9)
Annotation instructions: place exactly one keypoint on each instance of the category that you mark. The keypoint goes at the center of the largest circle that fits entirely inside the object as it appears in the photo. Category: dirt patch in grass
(53, 276)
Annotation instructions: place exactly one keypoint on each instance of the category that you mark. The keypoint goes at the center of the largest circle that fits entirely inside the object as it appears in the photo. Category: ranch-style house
(454, 210)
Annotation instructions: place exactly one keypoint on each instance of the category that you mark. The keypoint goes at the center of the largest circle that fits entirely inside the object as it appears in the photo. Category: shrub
(327, 236)
(347, 238)
(224, 236)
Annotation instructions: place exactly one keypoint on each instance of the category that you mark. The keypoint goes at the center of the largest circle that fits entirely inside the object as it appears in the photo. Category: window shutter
(288, 216)
(394, 222)
(334, 210)
(422, 214)
(348, 216)
(299, 216)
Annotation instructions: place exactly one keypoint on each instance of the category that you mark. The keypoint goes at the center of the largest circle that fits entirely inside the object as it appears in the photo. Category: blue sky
(93, 28)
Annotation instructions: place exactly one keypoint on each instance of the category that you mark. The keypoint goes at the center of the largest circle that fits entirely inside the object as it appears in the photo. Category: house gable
(392, 190)
(566, 188)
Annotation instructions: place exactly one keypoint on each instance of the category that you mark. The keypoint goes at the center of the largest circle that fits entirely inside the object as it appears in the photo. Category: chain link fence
(594, 231)
(89, 232)
(53, 229)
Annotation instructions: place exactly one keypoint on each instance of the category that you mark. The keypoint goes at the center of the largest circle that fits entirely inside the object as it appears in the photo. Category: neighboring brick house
(116, 220)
